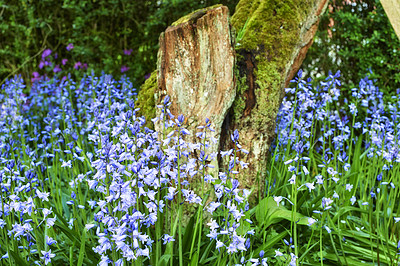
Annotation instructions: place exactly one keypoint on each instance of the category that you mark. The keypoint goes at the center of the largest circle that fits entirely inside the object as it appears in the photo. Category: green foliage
(362, 39)
(267, 212)
(100, 31)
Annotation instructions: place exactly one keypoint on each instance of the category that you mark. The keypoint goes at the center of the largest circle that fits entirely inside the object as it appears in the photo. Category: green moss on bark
(239, 103)
(271, 35)
(146, 101)
(264, 51)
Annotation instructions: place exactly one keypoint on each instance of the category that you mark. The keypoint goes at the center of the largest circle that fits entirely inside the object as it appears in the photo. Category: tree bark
(275, 38)
(195, 68)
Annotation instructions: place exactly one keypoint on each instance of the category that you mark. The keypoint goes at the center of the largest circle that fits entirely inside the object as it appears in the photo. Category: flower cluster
(50, 63)
(337, 150)
(76, 158)
(140, 174)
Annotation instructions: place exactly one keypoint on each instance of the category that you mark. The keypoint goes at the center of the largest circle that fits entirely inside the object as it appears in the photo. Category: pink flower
(57, 69)
(128, 52)
(124, 69)
(64, 61)
(70, 47)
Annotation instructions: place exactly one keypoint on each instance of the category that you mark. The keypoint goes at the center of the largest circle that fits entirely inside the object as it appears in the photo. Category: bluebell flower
(167, 238)
(50, 241)
(50, 221)
(47, 256)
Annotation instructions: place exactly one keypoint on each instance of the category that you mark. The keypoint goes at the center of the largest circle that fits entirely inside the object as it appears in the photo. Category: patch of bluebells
(318, 132)
(138, 178)
(23, 201)
(76, 156)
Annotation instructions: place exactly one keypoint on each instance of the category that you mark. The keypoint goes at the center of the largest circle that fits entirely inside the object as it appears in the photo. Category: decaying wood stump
(195, 68)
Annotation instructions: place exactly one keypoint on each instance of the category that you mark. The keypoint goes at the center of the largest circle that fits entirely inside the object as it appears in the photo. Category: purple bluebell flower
(167, 238)
(50, 241)
(43, 196)
(128, 52)
(124, 69)
(69, 47)
(46, 53)
(47, 256)
(57, 69)
(36, 77)
(78, 65)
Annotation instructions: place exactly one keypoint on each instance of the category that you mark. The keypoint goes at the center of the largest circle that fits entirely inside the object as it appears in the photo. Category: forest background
(121, 37)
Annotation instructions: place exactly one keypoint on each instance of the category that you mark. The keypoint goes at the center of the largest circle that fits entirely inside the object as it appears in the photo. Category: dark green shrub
(356, 37)
(99, 30)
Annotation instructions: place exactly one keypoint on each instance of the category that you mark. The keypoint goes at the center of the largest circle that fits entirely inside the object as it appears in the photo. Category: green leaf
(188, 235)
(242, 31)
(164, 259)
(261, 210)
(82, 249)
(19, 261)
(62, 224)
(268, 212)
(204, 257)
(281, 213)
(271, 241)
(195, 259)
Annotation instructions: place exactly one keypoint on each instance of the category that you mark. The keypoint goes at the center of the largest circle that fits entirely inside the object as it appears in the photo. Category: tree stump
(392, 9)
(195, 66)
(197, 62)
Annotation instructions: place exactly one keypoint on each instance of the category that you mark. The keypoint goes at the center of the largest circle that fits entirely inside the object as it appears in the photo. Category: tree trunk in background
(392, 9)
(275, 38)
(196, 65)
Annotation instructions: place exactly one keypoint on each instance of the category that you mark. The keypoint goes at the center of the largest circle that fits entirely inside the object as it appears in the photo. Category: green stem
(179, 204)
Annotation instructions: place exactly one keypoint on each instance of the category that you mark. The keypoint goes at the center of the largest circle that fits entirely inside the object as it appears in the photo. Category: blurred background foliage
(354, 37)
(100, 31)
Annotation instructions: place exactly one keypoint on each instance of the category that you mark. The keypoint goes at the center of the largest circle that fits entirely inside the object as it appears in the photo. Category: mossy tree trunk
(275, 38)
